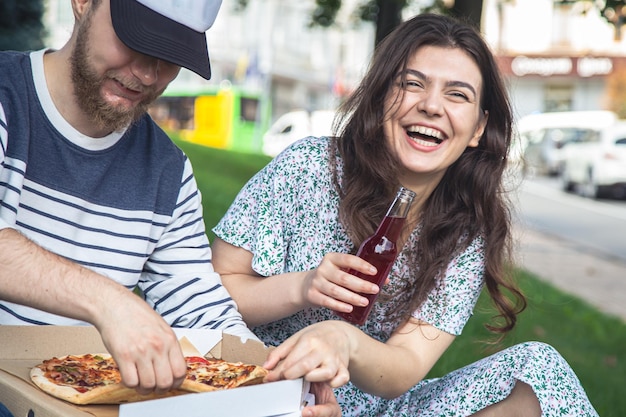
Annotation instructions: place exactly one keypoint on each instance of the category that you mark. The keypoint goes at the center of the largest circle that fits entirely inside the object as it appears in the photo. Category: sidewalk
(595, 278)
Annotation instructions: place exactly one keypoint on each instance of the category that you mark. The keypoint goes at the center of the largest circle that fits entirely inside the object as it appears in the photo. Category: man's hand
(143, 345)
(141, 342)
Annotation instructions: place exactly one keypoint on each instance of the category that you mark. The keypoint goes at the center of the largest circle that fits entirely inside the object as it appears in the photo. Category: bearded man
(95, 199)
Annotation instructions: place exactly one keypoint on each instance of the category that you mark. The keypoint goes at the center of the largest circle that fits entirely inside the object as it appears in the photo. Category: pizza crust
(107, 394)
(117, 393)
(255, 377)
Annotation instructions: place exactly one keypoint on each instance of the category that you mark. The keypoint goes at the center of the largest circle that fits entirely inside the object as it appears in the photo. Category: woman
(431, 115)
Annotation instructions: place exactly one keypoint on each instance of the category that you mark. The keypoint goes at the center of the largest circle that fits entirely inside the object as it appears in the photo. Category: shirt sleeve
(451, 303)
(179, 281)
(3, 171)
(268, 209)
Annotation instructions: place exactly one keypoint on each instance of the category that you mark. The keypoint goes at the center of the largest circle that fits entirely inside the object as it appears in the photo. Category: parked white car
(295, 125)
(542, 137)
(596, 166)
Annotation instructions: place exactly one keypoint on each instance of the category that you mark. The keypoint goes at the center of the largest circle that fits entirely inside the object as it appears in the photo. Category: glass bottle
(380, 250)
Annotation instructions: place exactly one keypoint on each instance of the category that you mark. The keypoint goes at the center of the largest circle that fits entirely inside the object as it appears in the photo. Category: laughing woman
(431, 115)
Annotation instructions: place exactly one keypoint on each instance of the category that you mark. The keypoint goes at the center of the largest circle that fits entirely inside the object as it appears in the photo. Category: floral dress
(287, 217)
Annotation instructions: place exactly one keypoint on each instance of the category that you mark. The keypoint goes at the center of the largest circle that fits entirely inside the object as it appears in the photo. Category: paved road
(596, 278)
(599, 225)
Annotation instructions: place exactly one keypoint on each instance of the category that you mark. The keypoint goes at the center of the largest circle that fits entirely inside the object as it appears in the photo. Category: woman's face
(435, 114)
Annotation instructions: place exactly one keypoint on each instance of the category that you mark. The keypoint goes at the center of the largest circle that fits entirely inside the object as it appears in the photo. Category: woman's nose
(430, 103)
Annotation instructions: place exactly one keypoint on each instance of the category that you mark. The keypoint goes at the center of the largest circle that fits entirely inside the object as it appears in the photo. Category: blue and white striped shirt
(126, 205)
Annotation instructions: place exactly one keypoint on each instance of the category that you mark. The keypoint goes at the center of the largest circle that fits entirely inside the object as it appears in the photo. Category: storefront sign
(588, 67)
(522, 66)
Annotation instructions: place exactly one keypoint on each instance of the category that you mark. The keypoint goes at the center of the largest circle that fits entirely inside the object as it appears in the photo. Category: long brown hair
(468, 202)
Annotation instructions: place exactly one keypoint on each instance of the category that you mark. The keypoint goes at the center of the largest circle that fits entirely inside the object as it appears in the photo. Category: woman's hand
(325, 402)
(330, 286)
(319, 353)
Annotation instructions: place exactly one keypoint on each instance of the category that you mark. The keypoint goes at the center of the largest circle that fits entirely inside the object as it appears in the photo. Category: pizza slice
(95, 378)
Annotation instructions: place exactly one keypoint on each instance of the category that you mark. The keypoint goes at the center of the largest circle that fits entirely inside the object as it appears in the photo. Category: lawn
(593, 343)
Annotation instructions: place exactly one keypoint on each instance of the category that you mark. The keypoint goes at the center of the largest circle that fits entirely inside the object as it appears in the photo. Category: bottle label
(385, 245)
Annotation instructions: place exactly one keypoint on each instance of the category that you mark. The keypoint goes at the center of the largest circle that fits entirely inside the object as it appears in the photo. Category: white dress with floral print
(287, 217)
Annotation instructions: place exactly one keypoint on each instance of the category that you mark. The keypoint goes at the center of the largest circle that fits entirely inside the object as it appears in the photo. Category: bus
(223, 117)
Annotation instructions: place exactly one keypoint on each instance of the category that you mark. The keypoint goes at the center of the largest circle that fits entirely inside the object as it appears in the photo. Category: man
(96, 200)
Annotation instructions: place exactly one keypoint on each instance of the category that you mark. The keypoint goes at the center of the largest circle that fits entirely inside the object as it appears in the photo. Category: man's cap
(171, 30)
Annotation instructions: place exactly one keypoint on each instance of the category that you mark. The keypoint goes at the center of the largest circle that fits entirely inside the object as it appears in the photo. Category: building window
(558, 98)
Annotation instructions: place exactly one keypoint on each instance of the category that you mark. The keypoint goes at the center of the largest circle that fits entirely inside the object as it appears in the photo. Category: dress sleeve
(451, 303)
(178, 280)
(265, 213)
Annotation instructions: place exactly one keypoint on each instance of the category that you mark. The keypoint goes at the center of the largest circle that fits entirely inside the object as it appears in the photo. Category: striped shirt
(126, 206)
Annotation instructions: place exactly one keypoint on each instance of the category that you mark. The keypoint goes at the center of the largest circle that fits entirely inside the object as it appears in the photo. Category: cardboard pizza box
(22, 347)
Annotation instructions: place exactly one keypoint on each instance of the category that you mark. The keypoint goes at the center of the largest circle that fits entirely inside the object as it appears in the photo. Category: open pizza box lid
(22, 347)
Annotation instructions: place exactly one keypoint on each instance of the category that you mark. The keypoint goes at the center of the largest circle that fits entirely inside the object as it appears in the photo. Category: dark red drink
(380, 250)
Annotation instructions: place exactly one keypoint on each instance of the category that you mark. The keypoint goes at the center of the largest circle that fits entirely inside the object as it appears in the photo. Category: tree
(614, 11)
(387, 14)
(616, 91)
(469, 10)
(21, 26)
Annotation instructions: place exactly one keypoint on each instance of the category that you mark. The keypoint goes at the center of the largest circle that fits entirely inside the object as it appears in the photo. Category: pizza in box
(95, 378)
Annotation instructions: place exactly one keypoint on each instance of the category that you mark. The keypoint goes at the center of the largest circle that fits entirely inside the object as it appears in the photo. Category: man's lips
(129, 91)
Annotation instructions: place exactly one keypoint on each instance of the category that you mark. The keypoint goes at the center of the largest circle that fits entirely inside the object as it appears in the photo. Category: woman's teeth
(424, 142)
(425, 136)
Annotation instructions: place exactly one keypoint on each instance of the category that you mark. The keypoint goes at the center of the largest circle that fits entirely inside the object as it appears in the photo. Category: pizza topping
(87, 372)
(83, 373)
(218, 373)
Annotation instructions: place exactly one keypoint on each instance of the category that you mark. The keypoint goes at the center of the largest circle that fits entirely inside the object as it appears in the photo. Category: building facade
(270, 47)
(554, 57)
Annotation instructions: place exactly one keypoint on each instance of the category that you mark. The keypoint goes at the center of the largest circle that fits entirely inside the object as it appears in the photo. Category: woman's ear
(480, 129)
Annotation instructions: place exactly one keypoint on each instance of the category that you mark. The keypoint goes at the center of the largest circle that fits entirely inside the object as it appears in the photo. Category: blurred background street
(280, 68)
(277, 77)
(576, 244)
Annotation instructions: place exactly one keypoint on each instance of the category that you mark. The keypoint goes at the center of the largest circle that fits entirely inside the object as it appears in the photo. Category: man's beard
(88, 85)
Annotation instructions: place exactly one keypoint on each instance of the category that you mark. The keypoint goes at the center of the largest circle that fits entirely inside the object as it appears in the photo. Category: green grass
(220, 175)
(593, 343)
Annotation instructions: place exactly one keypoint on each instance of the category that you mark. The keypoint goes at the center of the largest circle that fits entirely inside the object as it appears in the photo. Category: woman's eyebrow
(426, 78)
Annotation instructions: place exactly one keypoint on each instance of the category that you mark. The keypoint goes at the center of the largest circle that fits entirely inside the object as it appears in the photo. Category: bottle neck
(401, 204)
(392, 224)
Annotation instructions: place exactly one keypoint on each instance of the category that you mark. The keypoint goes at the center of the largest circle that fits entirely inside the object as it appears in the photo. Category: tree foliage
(614, 11)
(387, 14)
(21, 26)
(616, 91)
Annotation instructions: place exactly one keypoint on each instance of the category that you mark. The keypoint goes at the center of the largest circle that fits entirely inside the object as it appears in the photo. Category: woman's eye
(411, 85)
(458, 95)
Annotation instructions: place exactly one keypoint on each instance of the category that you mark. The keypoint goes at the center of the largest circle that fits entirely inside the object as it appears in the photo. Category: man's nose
(146, 69)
